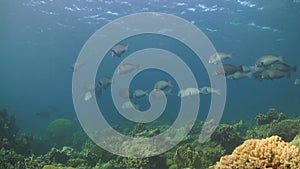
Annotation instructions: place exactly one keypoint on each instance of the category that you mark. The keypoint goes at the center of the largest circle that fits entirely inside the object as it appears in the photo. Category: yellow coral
(267, 153)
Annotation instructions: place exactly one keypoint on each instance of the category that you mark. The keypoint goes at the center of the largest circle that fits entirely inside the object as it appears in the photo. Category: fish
(246, 69)
(88, 96)
(43, 114)
(208, 90)
(297, 82)
(104, 82)
(162, 84)
(267, 60)
(239, 75)
(76, 66)
(140, 93)
(127, 68)
(283, 67)
(159, 94)
(274, 74)
(89, 92)
(118, 50)
(228, 69)
(219, 57)
(125, 94)
(129, 105)
(188, 92)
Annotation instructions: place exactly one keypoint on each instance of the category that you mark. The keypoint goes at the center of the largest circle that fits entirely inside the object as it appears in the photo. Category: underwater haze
(41, 39)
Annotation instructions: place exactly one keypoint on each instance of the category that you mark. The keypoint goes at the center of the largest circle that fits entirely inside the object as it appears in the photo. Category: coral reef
(209, 152)
(61, 131)
(287, 129)
(186, 157)
(272, 116)
(271, 152)
(55, 167)
(10, 138)
(227, 137)
(68, 148)
(10, 160)
(296, 141)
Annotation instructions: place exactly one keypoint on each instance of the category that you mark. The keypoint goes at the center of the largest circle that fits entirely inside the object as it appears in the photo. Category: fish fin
(137, 107)
(113, 53)
(218, 91)
(281, 59)
(170, 83)
(169, 92)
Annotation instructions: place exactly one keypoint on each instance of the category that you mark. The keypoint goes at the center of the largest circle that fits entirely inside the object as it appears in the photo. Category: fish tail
(218, 91)
(288, 74)
(294, 68)
(249, 75)
(240, 68)
(170, 83)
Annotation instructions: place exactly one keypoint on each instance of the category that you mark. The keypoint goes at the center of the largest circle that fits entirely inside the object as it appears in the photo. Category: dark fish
(283, 67)
(102, 85)
(118, 50)
(228, 69)
(43, 114)
(274, 74)
(104, 82)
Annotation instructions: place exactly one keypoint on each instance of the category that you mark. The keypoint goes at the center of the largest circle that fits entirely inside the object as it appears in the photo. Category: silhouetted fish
(43, 114)
(228, 69)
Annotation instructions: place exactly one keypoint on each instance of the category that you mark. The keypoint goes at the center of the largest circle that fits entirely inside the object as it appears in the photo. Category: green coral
(272, 116)
(209, 152)
(136, 163)
(296, 141)
(10, 159)
(186, 157)
(93, 154)
(287, 129)
(55, 167)
(227, 137)
(10, 138)
(61, 131)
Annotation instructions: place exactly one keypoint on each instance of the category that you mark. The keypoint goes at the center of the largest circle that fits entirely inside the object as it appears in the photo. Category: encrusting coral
(270, 153)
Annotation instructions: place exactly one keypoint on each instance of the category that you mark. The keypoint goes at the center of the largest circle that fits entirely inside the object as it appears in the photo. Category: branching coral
(186, 157)
(272, 116)
(227, 137)
(10, 139)
(270, 153)
(61, 131)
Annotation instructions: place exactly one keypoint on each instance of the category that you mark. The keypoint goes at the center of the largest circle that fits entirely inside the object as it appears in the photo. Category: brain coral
(270, 153)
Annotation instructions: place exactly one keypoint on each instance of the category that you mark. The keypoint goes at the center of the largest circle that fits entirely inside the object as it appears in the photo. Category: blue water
(41, 39)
